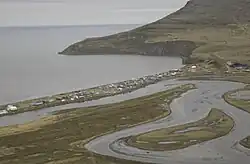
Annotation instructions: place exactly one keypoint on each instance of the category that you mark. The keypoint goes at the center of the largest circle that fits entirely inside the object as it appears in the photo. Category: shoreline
(113, 89)
(186, 72)
(88, 94)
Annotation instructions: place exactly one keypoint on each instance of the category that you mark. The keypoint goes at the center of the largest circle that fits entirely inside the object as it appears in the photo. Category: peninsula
(200, 30)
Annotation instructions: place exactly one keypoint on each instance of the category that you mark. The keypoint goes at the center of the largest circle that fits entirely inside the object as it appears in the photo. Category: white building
(194, 67)
(11, 108)
(51, 100)
(173, 73)
(3, 112)
(175, 70)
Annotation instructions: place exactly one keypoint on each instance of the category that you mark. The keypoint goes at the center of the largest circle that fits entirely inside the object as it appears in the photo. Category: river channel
(191, 107)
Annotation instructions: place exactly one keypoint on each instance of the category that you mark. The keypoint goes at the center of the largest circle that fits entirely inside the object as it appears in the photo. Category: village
(112, 89)
(87, 94)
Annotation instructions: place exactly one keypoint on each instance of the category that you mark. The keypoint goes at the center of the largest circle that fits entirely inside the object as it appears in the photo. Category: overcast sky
(82, 12)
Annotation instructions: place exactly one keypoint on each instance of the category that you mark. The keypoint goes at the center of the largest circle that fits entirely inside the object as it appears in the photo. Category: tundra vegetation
(60, 138)
(241, 99)
(216, 124)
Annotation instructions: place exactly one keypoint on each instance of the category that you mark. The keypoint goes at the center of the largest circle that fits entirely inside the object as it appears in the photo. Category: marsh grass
(216, 124)
(60, 141)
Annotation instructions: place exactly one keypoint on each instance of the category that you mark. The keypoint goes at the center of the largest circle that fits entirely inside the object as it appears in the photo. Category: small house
(194, 67)
(11, 108)
(59, 98)
(229, 63)
(173, 73)
(3, 112)
(51, 100)
(174, 70)
(38, 103)
(238, 65)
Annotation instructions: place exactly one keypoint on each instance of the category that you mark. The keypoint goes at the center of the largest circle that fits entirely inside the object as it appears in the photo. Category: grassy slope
(60, 138)
(218, 26)
(239, 103)
(216, 124)
(243, 105)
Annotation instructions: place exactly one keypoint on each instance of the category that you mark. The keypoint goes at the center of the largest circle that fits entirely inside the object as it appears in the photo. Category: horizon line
(37, 26)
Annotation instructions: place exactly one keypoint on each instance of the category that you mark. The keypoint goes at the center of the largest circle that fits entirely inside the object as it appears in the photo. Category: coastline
(88, 94)
(201, 72)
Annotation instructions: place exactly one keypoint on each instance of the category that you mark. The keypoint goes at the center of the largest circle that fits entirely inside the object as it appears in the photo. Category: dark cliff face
(197, 13)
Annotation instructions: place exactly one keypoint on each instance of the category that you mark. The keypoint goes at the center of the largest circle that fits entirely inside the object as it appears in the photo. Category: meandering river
(190, 107)
(224, 150)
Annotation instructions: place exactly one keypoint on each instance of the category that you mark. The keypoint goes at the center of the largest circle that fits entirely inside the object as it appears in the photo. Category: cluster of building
(9, 108)
(238, 66)
(113, 89)
(93, 93)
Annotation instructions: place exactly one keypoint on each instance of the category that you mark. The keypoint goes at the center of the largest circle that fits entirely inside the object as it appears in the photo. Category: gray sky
(82, 12)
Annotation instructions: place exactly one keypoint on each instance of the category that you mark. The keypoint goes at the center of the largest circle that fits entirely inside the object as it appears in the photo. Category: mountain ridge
(191, 26)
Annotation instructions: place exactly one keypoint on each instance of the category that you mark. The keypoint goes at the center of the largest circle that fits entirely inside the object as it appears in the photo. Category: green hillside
(201, 28)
